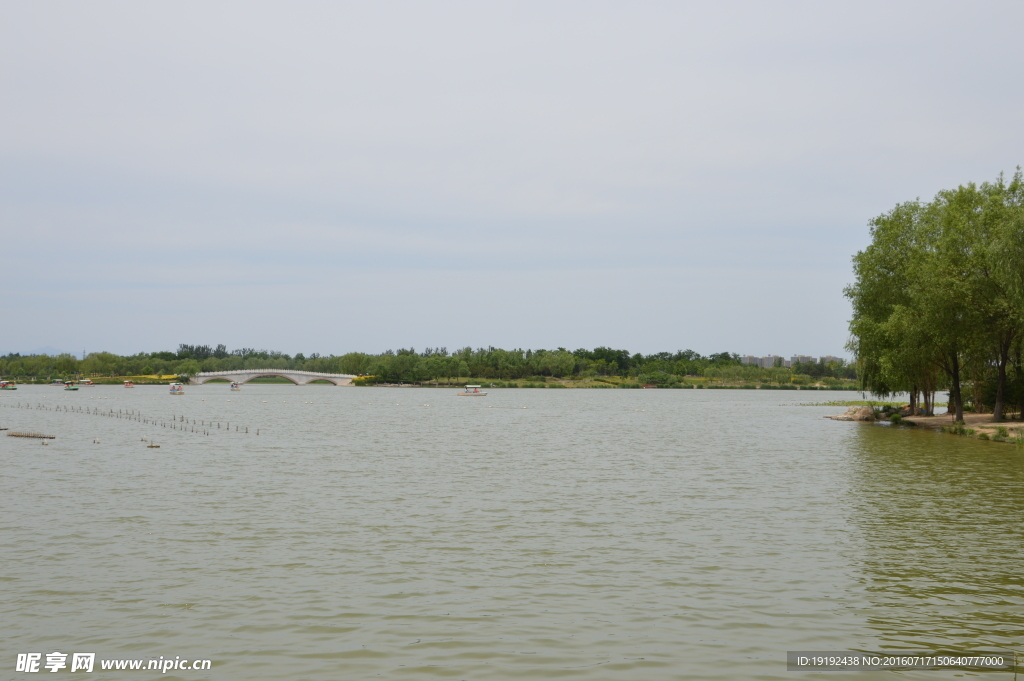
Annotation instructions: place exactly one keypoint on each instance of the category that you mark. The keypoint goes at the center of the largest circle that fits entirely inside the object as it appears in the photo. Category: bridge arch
(197, 380)
(266, 374)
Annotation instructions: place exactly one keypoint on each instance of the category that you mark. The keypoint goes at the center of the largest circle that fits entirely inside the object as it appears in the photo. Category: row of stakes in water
(137, 416)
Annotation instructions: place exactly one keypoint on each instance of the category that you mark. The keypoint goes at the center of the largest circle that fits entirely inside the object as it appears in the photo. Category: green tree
(935, 290)
(187, 369)
(66, 364)
(1001, 252)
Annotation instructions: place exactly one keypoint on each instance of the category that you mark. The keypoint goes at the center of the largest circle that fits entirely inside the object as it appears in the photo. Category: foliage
(188, 368)
(938, 300)
(602, 366)
(957, 429)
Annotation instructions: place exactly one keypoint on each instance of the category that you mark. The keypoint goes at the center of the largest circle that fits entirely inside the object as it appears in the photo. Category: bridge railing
(298, 372)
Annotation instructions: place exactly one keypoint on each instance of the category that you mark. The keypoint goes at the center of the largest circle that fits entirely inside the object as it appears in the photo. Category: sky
(335, 177)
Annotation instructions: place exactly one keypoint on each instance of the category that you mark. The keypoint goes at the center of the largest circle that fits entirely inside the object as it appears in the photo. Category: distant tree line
(432, 364)
(938, 300)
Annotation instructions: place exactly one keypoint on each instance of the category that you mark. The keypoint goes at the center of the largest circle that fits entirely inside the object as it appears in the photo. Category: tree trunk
(977, 384)
(997, 411)
(954, 392)
(913, 401)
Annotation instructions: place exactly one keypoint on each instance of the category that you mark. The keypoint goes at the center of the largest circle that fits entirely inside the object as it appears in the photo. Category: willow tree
(881, 340)
(1001, 290)
(943, 286)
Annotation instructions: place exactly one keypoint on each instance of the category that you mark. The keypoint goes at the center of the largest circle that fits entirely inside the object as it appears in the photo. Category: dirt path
(982, 423)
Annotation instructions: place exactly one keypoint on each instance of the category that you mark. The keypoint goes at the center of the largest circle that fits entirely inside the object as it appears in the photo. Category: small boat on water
(57, 382)
(129, 384)
(70, 386)
(86, 382)
(8, 385)
(472, 391)
(177, 389)
(236, 386)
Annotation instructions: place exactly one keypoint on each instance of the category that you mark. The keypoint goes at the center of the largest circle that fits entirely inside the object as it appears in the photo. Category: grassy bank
(853, 403)
(607, 382)
(152, 379)
(595, 383)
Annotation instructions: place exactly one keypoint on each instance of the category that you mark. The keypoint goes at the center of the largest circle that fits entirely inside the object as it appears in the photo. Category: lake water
(577, 534)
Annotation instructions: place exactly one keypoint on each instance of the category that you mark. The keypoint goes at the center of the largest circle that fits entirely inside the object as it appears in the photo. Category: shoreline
(691, 383)
(978, 426)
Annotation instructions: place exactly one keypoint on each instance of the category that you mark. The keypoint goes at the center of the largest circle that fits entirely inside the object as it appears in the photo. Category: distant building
(768, 361)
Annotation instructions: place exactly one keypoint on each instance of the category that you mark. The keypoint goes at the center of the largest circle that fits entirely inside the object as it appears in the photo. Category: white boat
(129, 384)
(86, 382)
(177, 389)
(236, 386)
(472, 391)
(57, 382)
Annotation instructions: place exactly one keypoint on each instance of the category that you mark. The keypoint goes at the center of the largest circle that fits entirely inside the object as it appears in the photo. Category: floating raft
(38, 436)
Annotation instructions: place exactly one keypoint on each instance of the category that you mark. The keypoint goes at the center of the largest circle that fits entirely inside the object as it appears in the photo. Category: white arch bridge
(296, 377)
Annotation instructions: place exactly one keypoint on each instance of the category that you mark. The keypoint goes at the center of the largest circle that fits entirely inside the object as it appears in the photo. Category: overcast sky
(328, 177)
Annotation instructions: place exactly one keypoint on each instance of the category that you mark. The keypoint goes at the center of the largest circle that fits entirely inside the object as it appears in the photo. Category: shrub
(895, 419)
(983, 436)
(958, 429)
